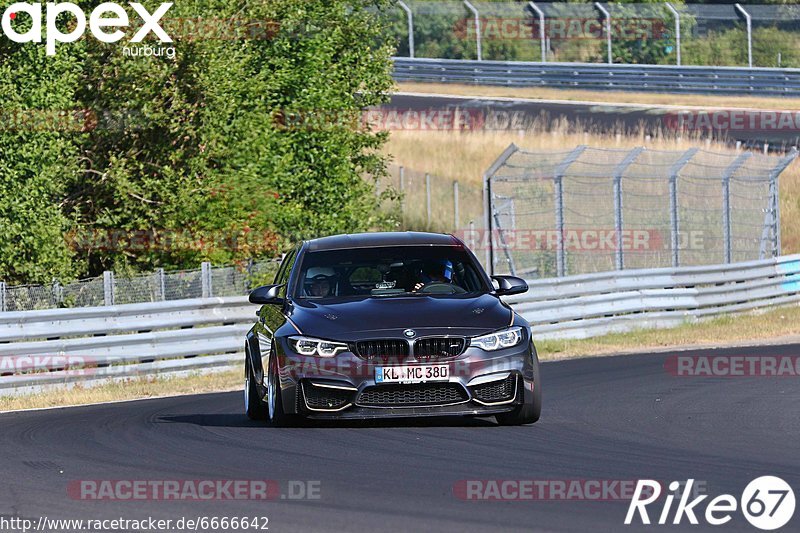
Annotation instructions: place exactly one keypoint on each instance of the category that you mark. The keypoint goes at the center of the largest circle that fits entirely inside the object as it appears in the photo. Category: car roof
(379, 239)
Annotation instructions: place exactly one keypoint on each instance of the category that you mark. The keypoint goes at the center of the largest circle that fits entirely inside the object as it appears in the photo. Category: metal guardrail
(599, 76)
(62, 346)
(607, 302)
(59, 346)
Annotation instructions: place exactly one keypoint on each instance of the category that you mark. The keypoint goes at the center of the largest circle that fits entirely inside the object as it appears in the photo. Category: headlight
(312, 346)
(499, 340)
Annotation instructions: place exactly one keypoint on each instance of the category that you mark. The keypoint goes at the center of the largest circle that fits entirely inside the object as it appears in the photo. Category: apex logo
(106, 15)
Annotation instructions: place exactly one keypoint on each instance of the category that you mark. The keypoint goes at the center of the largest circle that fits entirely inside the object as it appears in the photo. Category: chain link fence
(432, 203)
(589, 210)
(157, 286)
(641, 33)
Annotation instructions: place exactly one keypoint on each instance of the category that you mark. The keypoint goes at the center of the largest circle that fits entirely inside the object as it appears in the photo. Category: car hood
(377, 317)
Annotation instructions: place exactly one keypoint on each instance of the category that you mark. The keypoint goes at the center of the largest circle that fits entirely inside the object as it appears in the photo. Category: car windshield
(389, 271)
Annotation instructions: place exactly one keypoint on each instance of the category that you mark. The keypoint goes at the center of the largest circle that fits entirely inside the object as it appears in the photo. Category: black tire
(255, 408)
(279, 417)
(527, 413)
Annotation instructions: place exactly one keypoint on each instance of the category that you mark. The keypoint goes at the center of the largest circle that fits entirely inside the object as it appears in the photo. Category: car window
(389, 271)
(282, 277)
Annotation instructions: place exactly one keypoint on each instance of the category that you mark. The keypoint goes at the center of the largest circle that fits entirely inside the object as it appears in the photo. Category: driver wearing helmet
(319, 282)
(435, 272)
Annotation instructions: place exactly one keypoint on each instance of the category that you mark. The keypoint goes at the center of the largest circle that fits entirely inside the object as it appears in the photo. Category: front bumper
(480, 384)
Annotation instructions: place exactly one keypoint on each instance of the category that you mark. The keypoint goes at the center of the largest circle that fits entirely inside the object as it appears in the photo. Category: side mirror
(266, 294)
(508, 285)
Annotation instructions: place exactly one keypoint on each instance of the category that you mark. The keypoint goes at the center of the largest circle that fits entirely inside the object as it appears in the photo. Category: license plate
(411, 374)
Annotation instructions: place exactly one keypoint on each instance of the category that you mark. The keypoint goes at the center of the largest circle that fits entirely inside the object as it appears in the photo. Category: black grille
(495, 391)
(326, 398)
(412, 395)
(435, 347)
(382, 348)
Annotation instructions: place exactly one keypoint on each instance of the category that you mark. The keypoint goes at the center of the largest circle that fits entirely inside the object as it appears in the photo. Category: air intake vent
(382, 348)
(438, 347)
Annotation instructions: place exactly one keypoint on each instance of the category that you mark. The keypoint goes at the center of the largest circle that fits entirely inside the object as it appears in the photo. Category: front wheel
(528, 412)
(277, 416)
(253, 405)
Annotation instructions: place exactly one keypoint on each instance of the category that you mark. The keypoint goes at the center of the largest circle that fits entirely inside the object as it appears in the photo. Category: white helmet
(319, 271)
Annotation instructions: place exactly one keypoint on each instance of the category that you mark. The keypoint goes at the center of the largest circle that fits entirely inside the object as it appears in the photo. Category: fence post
(428, 199)
(456, 218)
(402, 178)
(558, 191)
(247, 280)
(772, 218)
(488, 206)
(2, 296)
(677, 16)
(607, 16)
(618, 172)
(205, 278)
(477, 27)
(58, 293)
(410, 17)
(542, 44)
(726, 200)
(108, 288)
(472, 235)
(162, 283)
(673, 202)
(749, 22)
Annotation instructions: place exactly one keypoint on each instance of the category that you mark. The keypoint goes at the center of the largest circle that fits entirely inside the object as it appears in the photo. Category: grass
(464, 156)
(741, 328)
(612, 97)
(129, 389)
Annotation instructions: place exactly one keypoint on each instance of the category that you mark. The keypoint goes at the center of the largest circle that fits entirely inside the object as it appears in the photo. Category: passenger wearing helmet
(435, 272)
(319, 282)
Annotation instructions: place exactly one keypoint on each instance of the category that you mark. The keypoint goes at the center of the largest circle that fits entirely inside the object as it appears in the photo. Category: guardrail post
(2, 296)
(607, 16)
(477, 27)
(410, 17)
(488, 206)
(205, 278)
(542, 44)
(108, 288)
(558, 191)
(618, 172)
(428, 199)
(456, 218)
(677, 16)
(749, 22)
(726, 200)
(161, 277)
(673, 203)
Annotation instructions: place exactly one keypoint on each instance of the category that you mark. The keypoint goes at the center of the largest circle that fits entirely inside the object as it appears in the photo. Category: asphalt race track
(626, 119)
(613, 418)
